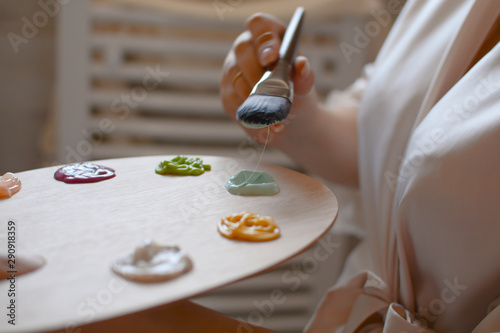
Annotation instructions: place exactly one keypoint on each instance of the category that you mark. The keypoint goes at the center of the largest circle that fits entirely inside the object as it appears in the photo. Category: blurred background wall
(34, 126)
(26, 86)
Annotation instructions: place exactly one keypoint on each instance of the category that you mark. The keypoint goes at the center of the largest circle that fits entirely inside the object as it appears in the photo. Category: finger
(241, 86)
(246, 61)
(304, 77)
(267, 32)
(304, 97)
(230, 98)
(229, 73)
(267, 47)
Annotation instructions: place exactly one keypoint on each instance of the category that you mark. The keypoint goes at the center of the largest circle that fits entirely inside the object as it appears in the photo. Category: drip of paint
(182, 165)
(9, 185)
(152, 262)
(247, 182)
(83, 173)
(247, 226)
(19, 265)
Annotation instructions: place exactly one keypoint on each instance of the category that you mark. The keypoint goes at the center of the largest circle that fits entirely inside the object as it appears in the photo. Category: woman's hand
(254, 50)
(321, 141)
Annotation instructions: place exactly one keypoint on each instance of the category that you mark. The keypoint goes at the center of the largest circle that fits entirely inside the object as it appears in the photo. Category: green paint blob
(182, 165)
(247, 182)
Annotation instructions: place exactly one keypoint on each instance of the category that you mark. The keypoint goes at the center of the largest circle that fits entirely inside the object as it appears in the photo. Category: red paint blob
(83, 173)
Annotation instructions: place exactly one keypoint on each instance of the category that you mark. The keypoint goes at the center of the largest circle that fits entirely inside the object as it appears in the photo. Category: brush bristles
(262, 110)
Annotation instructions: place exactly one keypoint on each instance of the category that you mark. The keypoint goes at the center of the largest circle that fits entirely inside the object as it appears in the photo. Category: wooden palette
(81, 228)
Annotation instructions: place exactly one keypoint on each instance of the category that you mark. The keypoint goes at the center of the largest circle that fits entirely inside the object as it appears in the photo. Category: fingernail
(304, 72)
(265, 56)
(265, 38)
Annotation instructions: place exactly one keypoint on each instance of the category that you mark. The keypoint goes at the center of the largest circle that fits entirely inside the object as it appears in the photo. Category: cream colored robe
(429, 159)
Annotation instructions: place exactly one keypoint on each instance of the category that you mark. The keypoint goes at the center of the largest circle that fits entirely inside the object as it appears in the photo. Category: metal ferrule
(277, 82)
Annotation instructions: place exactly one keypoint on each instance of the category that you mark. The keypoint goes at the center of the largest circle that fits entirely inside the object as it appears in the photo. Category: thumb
(305, 100)
(304, 77)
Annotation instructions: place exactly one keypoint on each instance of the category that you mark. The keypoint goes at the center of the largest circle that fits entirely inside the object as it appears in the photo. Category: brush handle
(288, 49)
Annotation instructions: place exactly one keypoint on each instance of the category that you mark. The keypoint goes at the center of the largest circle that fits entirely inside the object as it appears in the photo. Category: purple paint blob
(83, 173)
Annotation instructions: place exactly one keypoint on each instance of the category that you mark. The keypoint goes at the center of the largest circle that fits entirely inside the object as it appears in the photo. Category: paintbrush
(271, 98)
